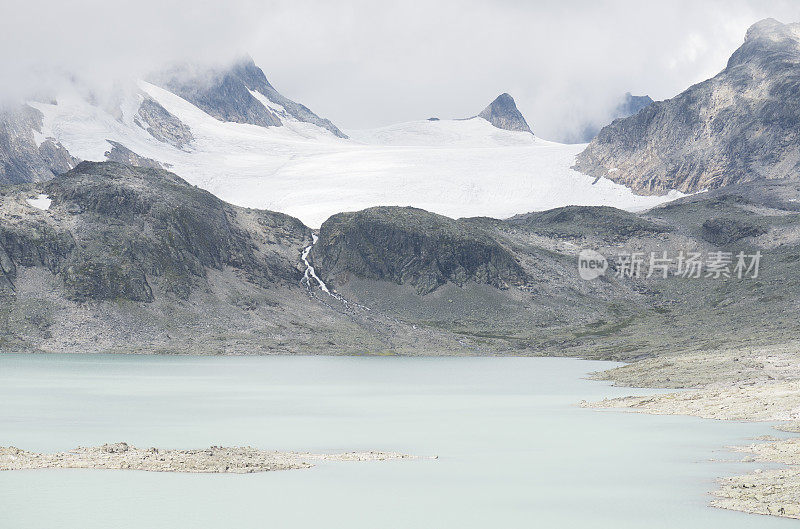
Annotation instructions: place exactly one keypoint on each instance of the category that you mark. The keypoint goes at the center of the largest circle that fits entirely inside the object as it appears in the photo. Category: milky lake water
(514, 448)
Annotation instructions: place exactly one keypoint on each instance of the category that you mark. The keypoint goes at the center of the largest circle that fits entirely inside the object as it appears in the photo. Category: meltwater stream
(514, 449)
(310, 273)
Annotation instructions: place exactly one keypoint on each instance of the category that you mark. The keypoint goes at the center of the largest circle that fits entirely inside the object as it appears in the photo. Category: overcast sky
(370, 63)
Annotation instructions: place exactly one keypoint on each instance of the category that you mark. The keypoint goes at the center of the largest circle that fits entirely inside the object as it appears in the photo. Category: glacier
(457, 168)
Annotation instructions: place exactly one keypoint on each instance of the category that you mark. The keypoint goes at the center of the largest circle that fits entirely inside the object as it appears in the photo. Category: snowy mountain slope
(234, 93)
(455, 168)
(473, 132)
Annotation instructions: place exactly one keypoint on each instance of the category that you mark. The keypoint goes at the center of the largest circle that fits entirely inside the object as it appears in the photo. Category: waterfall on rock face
(310, 273)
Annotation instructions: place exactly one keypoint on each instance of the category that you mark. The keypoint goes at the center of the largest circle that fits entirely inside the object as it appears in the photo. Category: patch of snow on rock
(40, 202)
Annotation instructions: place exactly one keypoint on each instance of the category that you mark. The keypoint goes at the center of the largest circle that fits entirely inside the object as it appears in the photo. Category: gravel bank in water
(744, 385)
(216, 459)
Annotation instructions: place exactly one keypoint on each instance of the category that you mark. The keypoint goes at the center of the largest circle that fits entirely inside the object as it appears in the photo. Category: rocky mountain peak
(738, 126)
(503, 114)
(769, 28)
(768, 43)
(233, 93)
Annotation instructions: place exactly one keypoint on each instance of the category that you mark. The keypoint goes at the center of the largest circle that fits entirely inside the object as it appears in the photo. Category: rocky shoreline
(744, 385)
(216, 459)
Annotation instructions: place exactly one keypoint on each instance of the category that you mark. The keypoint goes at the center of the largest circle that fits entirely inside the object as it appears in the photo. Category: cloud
(101, 42)
(564, 62)
(367, 63)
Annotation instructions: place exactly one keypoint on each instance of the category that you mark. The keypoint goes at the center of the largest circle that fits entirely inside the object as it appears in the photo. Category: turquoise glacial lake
(514, 448)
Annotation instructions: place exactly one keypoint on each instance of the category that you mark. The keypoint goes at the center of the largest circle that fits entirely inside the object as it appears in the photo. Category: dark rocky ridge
(129, 227)
(503, 114)
(382, 258)
(412, 246)
(225, 94)
(741, 125)
(573, 222)
(725, 231)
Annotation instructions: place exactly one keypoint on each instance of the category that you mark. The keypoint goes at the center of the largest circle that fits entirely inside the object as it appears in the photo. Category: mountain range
(201, 211)
(229, 131)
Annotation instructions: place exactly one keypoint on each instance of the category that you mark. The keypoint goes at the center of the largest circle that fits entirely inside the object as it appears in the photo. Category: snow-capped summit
(503, 114)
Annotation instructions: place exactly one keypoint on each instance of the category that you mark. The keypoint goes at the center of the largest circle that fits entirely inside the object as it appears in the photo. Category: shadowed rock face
(503, 114)
(741, 125)
(409, 245)
(21, 159)
(225, 94)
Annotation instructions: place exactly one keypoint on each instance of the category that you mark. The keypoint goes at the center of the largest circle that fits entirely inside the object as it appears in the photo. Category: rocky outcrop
(162, 125)
(254, 79)
(226, 95)
(741, 125)
(503, 114)
(22, 159)
(121, 154)
(412, 246)
(218, 93)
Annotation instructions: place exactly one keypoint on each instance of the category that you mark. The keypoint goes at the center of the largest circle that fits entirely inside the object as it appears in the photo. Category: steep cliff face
(741, 125)
(412, 246)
